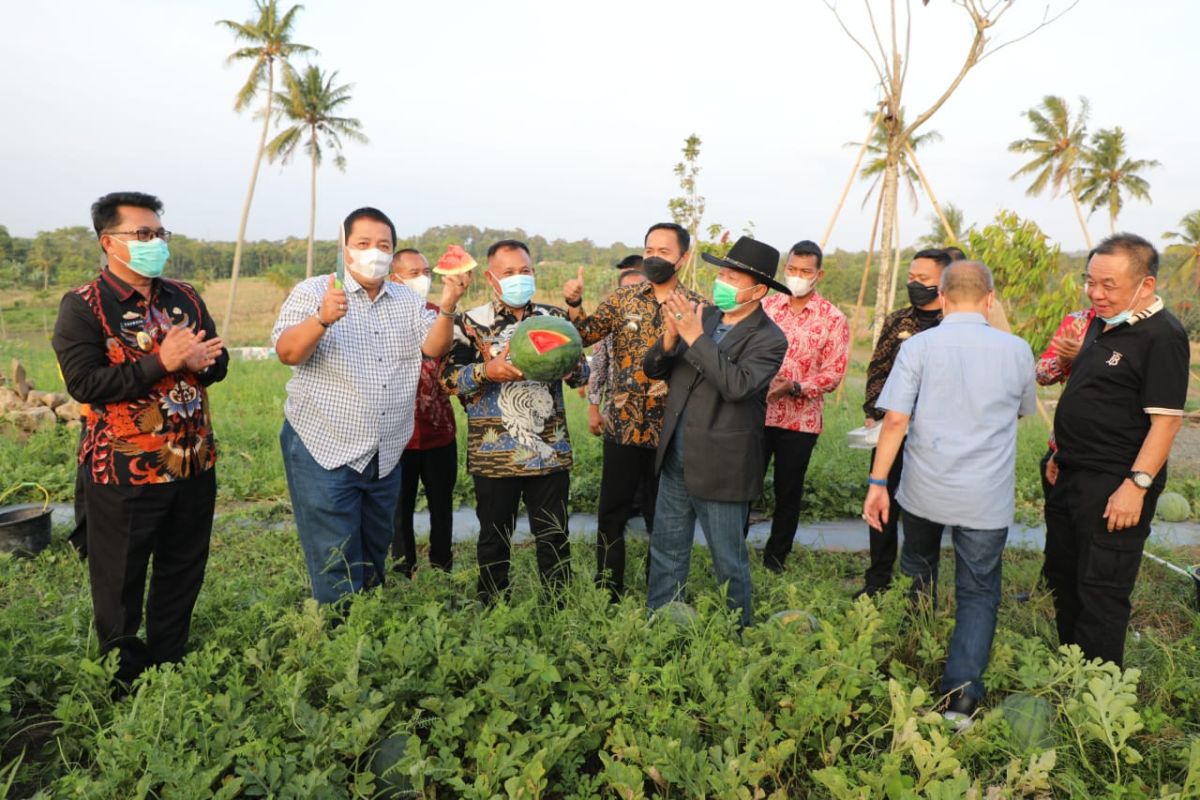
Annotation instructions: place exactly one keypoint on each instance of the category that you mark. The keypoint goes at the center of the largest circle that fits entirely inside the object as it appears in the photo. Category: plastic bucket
(25, 529)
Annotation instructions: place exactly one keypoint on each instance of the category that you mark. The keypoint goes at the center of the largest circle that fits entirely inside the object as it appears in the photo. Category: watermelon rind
(552, 365)
(1030, 720)
(391, 783)
(1173, 507)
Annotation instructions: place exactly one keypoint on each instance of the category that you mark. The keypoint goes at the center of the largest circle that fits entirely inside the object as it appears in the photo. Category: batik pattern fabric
(1049, 371)
(818, 345)
(514, 428)
(898, 327)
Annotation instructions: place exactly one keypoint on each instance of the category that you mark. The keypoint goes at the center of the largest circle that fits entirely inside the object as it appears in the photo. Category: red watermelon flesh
(545, 341)
(454, 261)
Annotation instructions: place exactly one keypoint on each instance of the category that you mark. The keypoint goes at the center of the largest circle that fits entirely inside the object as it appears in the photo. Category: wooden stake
(853, 174)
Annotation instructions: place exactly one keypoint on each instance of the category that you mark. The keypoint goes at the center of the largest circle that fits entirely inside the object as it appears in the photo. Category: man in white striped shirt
(355, 353)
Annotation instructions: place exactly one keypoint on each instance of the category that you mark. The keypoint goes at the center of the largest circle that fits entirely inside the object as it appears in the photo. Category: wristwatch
(1142, 480)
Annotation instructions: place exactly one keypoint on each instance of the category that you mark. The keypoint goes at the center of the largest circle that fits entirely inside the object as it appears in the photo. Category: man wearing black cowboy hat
(719, 361)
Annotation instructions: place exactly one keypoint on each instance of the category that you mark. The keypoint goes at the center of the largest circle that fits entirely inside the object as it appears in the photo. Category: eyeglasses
(144, 234)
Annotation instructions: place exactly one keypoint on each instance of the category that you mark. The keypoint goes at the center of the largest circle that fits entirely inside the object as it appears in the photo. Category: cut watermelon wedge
(454, 261)
(545, 341)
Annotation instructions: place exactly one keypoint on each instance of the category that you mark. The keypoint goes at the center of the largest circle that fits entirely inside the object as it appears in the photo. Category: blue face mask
(146, 258)
(516, 290)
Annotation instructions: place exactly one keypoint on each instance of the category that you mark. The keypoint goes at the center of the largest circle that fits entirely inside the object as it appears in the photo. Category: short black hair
(630, 262)
(366, 212)
(404, 250)
(1142, 255)
(625, 273)
(806, 247)
(507, 244)
(956, 254)
(681, 233)
(934, 254)
(105, 213)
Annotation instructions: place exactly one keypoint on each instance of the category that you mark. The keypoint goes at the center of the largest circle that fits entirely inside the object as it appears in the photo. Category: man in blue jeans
(959, 390)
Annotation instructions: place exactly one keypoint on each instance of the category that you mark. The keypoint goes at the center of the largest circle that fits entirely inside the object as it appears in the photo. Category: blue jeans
(976, 590)
(344, 519)
(675, 516)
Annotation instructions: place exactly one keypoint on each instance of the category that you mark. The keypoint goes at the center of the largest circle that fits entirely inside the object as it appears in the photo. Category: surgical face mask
(725, 296)
(516, 290)
(658, 270)
(146, 258)
(800, 287)
(921, 295)
(1128, 312)
(419, 284)
(372, 264)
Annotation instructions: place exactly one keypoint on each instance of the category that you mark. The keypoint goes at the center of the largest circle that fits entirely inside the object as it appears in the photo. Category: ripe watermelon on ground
(1030, 719)
(1173, 507)
(795, 617)
(545, 348)
(678, 612)
(390, 782)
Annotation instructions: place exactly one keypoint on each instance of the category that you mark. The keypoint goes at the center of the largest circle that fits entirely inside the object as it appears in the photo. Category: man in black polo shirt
(1114, 427)
(140, 350)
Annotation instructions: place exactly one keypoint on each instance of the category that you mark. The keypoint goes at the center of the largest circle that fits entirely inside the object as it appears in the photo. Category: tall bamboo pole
(853, 173)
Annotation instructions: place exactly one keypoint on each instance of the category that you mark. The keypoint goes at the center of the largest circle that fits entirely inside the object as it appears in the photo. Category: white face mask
(419, 284)
(800, 287)
(373, 264)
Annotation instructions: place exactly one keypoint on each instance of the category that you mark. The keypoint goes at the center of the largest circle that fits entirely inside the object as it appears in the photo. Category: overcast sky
(566, 118)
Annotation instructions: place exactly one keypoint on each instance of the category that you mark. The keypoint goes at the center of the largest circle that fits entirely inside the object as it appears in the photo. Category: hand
(1124, 507)
(869, 423)
(687, 318)
(595, 423)
(1066, 348)
(670, 332)
(453, 287)
(1051, 471)
(176, 347)
(573, 289)
(877, 507)
(779, 388)
(204, 353)
(499, 370)
(333, 305)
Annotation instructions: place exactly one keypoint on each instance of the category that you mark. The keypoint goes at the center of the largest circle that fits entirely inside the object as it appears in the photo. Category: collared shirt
(355, 395)
(818, 344)
(514, 428)
(1121, 377)
(632, 317)
(599, 388)
(1049, 371)
(964, 384)
(142, 424)
(434, 424)
(899, 327)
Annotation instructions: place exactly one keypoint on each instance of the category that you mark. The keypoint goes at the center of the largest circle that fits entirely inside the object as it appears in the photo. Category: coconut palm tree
(267, 39)
(1108, 172)
(1188, 243)
(877, 148)
(937, 236)
(311, 105)
(1057, 150)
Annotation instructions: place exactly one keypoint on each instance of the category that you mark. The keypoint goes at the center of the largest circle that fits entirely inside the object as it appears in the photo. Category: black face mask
(921, 295)
(658, 270)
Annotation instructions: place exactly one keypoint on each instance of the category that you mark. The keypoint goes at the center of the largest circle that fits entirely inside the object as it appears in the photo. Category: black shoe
(773, 565)
(960, 710)
(870, 590)
(403, 568)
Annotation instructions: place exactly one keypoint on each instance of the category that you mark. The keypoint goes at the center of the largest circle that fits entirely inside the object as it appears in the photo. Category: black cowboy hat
(754, 258)
(629, 262)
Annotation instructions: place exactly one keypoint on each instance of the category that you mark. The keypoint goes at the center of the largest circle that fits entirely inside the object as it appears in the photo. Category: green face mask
(725, 296)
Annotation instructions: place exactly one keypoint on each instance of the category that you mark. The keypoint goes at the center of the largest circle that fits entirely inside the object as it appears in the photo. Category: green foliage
(1109, 175)
(1025, 266)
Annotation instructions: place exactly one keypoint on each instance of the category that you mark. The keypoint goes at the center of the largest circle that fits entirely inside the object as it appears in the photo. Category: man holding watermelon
(354, 341)
(518, 447)
(720, 361)
(631, 320)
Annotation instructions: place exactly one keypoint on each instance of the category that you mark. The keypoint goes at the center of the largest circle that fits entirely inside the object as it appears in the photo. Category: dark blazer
(723, 388)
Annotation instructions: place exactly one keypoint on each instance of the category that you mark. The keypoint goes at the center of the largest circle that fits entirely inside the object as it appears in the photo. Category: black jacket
(724, 390)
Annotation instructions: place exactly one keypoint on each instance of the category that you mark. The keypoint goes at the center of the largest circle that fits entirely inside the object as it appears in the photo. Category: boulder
(20, 383)
(53, 400)
(68, 411)
(9, 400)
(32, 419)
(35, 398)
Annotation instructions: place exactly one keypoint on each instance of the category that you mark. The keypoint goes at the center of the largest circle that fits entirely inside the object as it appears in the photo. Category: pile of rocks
(25, 408)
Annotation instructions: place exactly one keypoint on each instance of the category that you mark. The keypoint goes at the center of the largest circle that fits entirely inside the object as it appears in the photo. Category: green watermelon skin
(1173, 507)
(551, 365)
(390, 782)
(1030, 718)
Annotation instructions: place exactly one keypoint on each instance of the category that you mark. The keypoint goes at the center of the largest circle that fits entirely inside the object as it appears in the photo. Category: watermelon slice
(454, 261)
(545, 341)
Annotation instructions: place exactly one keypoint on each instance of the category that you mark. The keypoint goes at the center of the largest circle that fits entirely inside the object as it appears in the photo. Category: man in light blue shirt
(959, 390)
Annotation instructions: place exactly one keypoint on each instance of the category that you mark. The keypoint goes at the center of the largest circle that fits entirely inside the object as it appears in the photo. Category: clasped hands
(182, 348)
(682, 319)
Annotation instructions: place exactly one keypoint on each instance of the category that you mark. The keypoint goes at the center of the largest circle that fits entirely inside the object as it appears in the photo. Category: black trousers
(627, 479)
(792, 451)
(436, 469)
(496, 503)
(128, 527)
(1090, 571)
(884, 541)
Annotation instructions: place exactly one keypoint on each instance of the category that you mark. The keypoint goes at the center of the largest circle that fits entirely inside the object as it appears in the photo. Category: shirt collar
(502, 309)
(125, 291)
(1147, 312)
(964, 318)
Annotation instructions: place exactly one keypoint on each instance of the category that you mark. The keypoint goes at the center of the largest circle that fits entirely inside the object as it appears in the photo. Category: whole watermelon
(390, 782)
(798, 618)
(1173, 507)
(679, 613)
(545, 348)
(1029, 718)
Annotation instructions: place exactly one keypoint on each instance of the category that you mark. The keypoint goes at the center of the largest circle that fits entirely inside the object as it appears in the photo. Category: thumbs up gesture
(573, 290)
